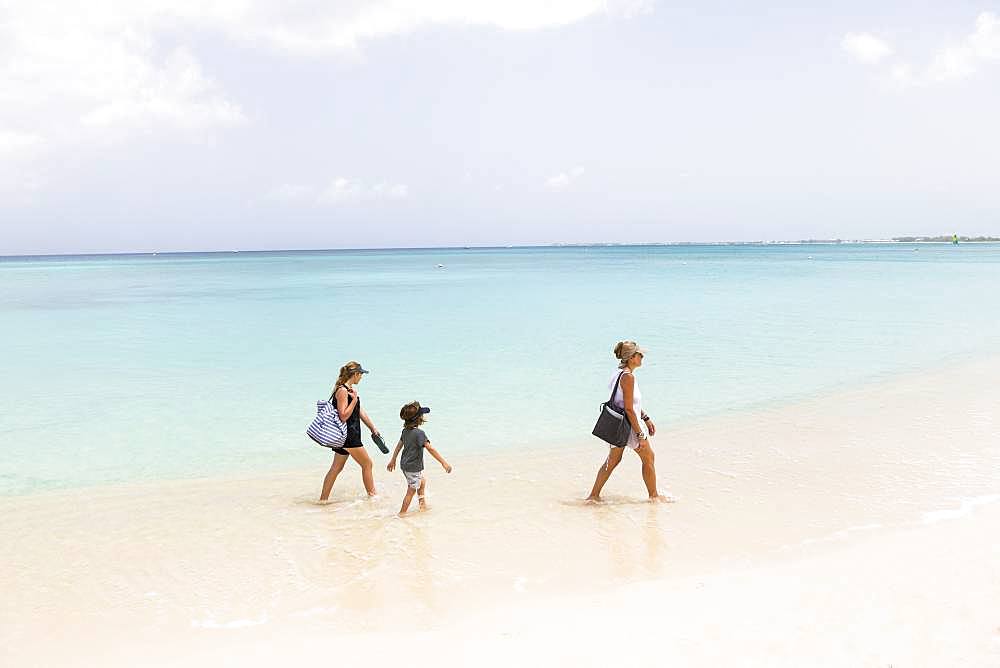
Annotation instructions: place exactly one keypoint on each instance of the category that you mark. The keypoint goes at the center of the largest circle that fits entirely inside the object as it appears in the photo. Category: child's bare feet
(663, 498)
(593, 499)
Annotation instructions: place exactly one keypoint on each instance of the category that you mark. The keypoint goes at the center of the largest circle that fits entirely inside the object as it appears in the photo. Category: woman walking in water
(629, 398)
(348, 403)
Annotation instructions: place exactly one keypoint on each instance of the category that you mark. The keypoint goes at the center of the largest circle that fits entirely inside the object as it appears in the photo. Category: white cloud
(69, 64)
(72, 72)
(340, 191)
(343, 190)
(563, 180)
(955, 61)
(959, 61)
(318, 27)
(985, 41)
(176, 94)
(865, 47)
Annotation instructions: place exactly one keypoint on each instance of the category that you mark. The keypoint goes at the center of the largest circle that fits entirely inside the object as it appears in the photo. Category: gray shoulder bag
(612, 424)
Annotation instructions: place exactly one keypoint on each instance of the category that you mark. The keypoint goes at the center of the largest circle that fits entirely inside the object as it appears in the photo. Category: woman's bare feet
(663, 498)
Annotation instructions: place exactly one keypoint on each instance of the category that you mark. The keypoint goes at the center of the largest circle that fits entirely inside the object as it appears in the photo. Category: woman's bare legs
(362, 458)
(331, 476)
(603, 473)
(645, 452)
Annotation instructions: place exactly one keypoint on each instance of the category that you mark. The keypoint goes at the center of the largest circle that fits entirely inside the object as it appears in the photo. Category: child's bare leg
(421, 501)
(406, 501)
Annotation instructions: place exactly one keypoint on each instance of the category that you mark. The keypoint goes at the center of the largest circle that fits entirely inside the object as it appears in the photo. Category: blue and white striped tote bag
(327, 428)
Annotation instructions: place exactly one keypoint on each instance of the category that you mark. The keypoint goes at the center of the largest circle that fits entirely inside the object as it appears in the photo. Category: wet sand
(848, 529)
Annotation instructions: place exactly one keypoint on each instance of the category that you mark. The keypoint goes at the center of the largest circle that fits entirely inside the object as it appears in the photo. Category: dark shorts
(340, 451)
(351, 443)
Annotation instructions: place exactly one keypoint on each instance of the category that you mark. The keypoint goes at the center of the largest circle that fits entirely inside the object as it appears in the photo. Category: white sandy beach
(784, 218)
(856, 528)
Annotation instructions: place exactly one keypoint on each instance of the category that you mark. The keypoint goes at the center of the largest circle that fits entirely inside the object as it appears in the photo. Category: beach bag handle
(614, 390)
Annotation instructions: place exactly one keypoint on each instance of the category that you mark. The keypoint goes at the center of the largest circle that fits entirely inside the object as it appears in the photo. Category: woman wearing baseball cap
(629, 399)
(348, 403)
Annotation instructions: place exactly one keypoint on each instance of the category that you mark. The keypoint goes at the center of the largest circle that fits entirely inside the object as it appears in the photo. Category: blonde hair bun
(625, 349)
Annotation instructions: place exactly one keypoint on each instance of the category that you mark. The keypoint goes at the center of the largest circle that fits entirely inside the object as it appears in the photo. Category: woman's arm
(628, 389)
(648, 421)
(346, 401)
(368, 422)
(437, 456)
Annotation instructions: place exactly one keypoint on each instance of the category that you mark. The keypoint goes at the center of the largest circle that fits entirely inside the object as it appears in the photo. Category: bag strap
(333, 394)
(614, 390)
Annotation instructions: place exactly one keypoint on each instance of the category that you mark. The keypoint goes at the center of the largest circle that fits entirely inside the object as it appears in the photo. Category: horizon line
(555, 244)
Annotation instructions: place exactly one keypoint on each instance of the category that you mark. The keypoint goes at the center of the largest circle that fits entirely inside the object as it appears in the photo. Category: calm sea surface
(123, 368)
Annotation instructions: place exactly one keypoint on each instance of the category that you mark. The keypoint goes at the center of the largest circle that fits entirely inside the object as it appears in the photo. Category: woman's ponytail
(346, 372)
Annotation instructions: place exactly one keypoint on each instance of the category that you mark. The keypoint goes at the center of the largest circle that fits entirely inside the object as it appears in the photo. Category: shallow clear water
(119, 368)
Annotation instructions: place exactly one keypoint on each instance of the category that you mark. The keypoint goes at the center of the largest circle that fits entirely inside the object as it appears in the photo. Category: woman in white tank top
(629, 399)
(619, 400)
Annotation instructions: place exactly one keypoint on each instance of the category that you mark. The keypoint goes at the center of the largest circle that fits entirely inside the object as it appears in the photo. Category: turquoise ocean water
(127, 368)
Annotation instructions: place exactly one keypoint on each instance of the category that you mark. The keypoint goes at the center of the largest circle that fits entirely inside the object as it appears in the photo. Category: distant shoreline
(260, 251)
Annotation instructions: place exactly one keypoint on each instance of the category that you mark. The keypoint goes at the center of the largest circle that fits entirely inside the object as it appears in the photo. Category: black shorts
(353, 441)
(339, 451)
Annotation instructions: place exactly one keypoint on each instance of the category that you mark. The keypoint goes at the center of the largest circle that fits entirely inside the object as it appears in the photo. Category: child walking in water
(413, 441)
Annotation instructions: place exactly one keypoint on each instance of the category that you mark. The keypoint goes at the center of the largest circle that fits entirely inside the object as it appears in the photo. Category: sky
(176, 125)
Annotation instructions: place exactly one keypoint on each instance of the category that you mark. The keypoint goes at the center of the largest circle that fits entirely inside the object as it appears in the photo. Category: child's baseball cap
(412, 410)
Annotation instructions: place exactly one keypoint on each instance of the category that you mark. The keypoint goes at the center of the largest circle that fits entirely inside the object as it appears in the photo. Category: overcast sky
(225, 124)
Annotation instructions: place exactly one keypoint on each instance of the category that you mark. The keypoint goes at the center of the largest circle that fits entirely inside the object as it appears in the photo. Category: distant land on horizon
(945, 238)
(775, 242)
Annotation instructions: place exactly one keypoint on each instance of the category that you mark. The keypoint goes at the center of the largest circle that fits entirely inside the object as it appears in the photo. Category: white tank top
(619, 399)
